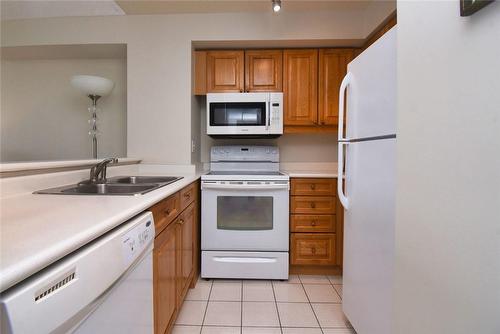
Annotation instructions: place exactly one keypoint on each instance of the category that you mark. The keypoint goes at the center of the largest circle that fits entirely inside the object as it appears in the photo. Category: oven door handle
(284, 186)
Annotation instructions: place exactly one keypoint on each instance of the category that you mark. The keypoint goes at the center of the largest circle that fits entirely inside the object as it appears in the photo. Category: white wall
(448, 182)
(159, 60)
(44, 118)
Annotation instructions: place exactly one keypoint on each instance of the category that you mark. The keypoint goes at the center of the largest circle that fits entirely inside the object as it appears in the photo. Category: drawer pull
(313, 186)
(313, 223)
(313, 250)
(313, 205)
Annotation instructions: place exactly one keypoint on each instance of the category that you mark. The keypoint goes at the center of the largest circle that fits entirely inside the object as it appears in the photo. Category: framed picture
(469, 7)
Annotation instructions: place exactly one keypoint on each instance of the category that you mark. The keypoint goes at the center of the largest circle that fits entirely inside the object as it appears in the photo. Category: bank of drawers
(313, 221)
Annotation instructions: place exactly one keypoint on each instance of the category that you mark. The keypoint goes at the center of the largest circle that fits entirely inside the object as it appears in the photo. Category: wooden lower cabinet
(165, 278)
(313, 248)
(175, 259)
(316, 227)
(185, 251)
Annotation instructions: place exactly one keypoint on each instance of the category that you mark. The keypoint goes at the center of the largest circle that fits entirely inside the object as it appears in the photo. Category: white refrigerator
(367, 189)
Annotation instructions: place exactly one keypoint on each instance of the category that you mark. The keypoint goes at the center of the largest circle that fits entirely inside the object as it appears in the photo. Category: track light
(276, 5)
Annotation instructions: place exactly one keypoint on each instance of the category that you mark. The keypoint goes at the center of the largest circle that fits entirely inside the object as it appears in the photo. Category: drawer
(312, 204)
(313, 187)
(312, 223)
(164, 212)
(188, 195)
(312, 248)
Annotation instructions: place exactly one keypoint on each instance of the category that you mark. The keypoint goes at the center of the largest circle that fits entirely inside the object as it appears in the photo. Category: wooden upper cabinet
(263, 70)
(332, 69)
(200, 73)
(300, 86)
(225, 71)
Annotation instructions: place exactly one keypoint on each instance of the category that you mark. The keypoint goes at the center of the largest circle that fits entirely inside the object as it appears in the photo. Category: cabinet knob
(167, 212)
(313, 205)
(187, 195)
(181, 221)
(313, 223)
(313, 250)
(313, 186)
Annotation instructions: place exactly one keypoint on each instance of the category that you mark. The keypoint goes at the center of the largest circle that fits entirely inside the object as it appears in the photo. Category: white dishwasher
(105, 286)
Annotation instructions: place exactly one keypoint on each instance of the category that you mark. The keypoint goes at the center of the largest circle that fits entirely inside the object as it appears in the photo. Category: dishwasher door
(105, 286)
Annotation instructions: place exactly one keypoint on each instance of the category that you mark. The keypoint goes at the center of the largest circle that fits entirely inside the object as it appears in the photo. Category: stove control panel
(244, 153)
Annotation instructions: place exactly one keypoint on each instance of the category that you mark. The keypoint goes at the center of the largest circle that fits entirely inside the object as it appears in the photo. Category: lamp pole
(93, 131)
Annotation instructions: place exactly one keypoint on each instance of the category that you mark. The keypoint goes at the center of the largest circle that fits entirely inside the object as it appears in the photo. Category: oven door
(245, 215)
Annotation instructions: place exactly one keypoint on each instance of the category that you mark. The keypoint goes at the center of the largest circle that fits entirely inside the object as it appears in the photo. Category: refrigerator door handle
(340, 178)
(342, 142)
(343, 86)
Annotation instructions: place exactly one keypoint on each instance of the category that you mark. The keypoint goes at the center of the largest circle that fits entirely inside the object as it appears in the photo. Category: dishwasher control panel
(136, 240)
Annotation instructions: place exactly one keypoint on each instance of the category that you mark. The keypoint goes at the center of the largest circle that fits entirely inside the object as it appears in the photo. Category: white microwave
(245, 114)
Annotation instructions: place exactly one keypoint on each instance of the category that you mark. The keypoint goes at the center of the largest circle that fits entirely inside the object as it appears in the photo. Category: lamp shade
(92, 85)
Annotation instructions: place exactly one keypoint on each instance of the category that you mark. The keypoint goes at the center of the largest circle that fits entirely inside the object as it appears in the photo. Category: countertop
(37, 230)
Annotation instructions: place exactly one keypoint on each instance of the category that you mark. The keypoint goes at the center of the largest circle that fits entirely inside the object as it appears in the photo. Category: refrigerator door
(371, 92)
(369, 235)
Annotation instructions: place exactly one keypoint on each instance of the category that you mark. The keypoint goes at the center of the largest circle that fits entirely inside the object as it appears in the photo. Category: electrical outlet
(193, 146)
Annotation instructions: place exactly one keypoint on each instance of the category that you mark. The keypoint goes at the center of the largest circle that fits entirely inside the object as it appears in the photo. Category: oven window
(237, 113)
(245, 213)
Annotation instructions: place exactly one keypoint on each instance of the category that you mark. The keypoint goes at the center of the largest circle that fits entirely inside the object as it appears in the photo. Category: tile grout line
(206, 308)
(276, 305)
(312, 308)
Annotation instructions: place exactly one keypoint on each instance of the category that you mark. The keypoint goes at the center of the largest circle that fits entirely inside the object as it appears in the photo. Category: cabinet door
(185, 227)
(332, 69)
(312, 223)
(164, 272)
(225, 71)
(300, 87)
(312, 249)
(263, 70)
(315, 205)
(313, 187)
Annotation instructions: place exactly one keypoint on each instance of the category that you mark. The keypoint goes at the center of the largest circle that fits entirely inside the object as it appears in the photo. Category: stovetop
(244, 175)
(235, 173)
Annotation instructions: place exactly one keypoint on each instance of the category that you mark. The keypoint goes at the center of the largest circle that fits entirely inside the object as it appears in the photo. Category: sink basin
(143, 179)
(109, 189)
(119, 185)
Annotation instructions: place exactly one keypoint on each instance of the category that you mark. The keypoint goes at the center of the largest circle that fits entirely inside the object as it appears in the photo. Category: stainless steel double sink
(118, 185)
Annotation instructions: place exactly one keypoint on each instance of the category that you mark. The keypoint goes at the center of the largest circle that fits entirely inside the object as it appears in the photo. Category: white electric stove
(244, 227)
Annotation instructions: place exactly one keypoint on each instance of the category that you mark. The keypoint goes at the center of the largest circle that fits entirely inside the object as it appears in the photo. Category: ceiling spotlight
(276, 5)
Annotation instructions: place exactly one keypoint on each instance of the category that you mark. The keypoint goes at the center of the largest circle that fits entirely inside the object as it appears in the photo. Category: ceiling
(15, 9)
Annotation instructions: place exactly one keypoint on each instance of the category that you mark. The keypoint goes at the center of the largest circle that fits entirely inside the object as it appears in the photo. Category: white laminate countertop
(37, 230)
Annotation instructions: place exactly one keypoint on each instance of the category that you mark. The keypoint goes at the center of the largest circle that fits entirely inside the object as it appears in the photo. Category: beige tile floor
(304, 304)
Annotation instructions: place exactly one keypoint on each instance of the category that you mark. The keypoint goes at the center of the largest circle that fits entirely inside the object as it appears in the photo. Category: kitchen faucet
(98, 172)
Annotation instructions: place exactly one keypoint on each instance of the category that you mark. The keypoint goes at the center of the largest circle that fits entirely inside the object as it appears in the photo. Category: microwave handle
(268, 111)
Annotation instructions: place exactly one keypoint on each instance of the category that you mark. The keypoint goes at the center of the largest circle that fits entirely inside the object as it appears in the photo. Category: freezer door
(369, 235)
(371, 93)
